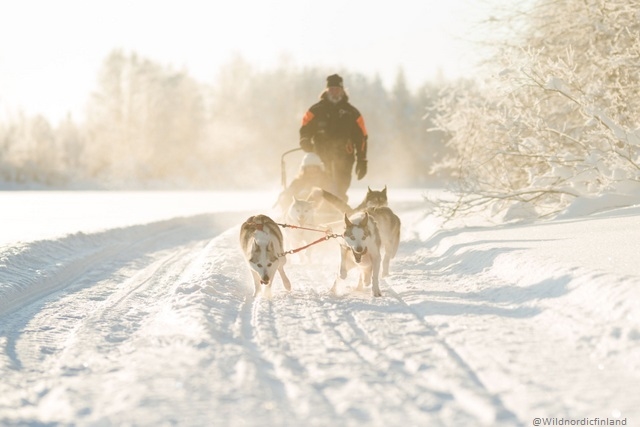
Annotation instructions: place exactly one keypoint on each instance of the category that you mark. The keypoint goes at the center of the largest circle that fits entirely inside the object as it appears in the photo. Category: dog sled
(324, 213)
(283, 166)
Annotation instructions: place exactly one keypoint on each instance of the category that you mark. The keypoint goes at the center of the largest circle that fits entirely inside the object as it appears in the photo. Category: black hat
(334, 80)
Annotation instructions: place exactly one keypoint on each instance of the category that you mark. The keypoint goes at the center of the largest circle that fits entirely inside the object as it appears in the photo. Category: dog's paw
(333, 290)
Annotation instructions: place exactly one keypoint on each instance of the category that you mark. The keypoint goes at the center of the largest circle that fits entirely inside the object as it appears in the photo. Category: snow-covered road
(153, 323)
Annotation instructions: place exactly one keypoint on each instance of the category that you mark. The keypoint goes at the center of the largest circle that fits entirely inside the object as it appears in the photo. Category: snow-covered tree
(144, 120)
(30, 151)
(558, 119)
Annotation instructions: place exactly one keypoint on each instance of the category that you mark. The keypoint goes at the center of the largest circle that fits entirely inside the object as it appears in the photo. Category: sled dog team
(369, 242)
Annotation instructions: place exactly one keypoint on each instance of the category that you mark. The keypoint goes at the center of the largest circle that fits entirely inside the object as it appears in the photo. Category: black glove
(361, 169)
(306, 145)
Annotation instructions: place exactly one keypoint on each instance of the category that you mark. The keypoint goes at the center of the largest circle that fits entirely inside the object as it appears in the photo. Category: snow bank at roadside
(579, 274)
(32, 270)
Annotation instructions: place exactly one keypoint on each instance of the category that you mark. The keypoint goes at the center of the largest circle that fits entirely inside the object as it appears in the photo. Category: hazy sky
(51, 50)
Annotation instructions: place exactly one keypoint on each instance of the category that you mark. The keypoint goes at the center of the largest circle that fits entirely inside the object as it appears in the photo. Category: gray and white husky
(373, 199)
(361, 249)
(389, 228)
(262, 245)
(301, 213)
(375, 204)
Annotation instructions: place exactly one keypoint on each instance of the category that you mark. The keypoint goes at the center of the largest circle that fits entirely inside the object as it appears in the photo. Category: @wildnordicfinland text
(557, 421)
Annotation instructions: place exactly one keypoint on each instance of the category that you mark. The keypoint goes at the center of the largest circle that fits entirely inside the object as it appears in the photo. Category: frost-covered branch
(558, 120)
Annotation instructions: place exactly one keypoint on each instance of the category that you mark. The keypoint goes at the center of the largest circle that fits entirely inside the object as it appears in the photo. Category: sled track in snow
(77, 276)
(343, 356)
(307, 356)
(65, 260)
(155, 325)
(74, 319)
(476, 393)
(313, 342)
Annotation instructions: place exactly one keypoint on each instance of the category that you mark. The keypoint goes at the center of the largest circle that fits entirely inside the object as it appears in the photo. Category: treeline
(150, 125)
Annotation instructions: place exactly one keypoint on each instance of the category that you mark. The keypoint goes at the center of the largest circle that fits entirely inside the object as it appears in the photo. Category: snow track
(155, 325)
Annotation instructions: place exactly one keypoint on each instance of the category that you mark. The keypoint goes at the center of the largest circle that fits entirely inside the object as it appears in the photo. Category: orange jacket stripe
(363, 146)
(308, 116)
(360, 122)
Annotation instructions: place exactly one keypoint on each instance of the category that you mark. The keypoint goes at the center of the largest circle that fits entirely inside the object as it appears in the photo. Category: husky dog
(373, 198)
(389, 228)
(361, 249)
(261, 243)
(300, 213)
(375, 204)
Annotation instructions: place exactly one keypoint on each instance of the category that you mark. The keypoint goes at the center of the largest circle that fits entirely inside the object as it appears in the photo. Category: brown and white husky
(262, 245)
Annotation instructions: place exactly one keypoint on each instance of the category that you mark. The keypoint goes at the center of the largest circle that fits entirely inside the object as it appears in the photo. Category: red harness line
(328, 235)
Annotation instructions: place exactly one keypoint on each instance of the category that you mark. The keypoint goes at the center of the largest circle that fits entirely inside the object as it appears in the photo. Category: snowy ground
(136, 309)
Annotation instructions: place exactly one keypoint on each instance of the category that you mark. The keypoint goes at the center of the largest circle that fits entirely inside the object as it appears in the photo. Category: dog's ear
(315, 202)
(384, 190)
(315, 195)
(346, 220)
(364, 221)
(368, 189)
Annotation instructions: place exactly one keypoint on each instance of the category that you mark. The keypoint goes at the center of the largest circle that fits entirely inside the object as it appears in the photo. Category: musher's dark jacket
(337, 130)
